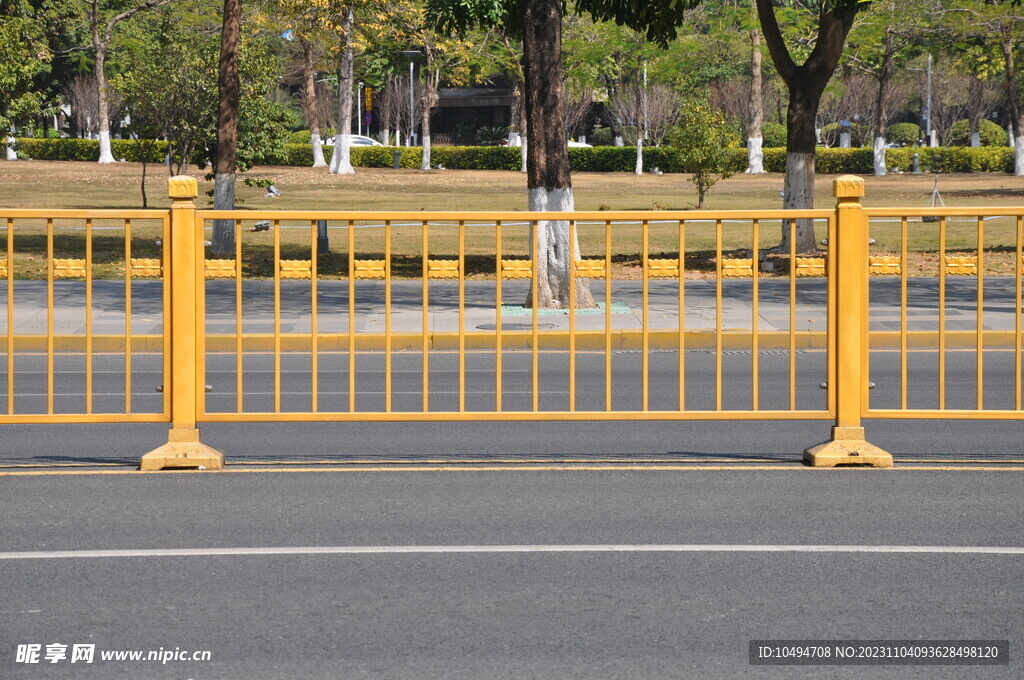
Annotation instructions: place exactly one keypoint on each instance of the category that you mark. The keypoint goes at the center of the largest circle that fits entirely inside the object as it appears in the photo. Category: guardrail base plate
(183, 450)
(847, 448)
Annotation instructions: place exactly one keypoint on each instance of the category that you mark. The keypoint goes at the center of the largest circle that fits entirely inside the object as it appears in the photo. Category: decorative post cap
(182, 187)
(848, 186)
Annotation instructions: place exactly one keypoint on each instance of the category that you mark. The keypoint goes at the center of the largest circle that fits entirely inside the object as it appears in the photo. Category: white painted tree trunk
(522, 153)
(618, 141)
(1009, 135)
(11, 155)
(224, 199)
(879, 156)
(755, 156)
(425, 161)
(106, 155)
(1018, 157)
(552, 260)
(799, 195)
(639, 155)
(318, 152)
(976, 140)
(844, 140)
(341, 160)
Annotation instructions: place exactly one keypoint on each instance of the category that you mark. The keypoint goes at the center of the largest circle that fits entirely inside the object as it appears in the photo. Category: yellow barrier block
(810, 266)
(663, 269)
(3, 269)
(961, 266)
(589, 269)
(516, 269)
(443, 269)
(68, 269)
(369, 269)
(144, 268)
(220, 269)
(738, 268)
(296, 269)
(885, 264)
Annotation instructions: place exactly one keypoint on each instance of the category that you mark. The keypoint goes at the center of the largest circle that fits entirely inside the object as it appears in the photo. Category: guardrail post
(183, 448)
(850, 361)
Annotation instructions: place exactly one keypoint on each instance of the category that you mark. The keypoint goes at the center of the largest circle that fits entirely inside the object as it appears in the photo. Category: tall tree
(879, 46)
(998, 24)
(24, 55)
(309, 92)
(227, 127)
(341, 161)
(104, 16)
(755, 108)
(548, 181)
(806, 83)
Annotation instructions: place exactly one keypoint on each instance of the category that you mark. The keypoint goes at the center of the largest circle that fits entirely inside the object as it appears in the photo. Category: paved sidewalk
(30, 315)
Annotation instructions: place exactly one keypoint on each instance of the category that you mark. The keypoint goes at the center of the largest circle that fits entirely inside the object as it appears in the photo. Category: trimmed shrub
(594, 159)
(953, 159)
(305, 136)
(904, 133)
(773, 134)
(602, 137)
(476, 157)
(68, 149)
(991, 134)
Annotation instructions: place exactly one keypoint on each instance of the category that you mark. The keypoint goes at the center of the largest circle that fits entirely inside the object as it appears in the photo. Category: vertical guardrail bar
(183, 448)
(849, 250)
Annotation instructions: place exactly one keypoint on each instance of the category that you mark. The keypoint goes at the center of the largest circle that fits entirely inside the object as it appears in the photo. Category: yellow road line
(503, 468)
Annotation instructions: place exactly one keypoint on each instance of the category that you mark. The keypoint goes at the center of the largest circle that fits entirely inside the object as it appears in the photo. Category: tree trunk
(884, 77)
(106, 156)
(548, 181)
(145, 200)
(12, 155)
(227, 128)
(755, 109)
(1013, 98)
(309, 78)
(425, 123)
(641, 122)
(341, 161)
(798, 189)
(805, 82)
(521, 89)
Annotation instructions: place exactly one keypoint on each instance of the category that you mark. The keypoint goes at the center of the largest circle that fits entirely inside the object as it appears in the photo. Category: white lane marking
(457, 549)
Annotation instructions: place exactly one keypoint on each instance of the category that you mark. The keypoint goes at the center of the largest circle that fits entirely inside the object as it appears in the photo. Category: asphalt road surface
(620, 549)
(513, 607)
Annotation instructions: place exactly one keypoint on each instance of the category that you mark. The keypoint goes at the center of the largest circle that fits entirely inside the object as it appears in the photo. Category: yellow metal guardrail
(48, 337)
(666, 356)
(936, 224)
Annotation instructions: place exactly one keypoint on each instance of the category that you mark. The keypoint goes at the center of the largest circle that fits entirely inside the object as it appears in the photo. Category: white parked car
(356, 140)
(514, 140)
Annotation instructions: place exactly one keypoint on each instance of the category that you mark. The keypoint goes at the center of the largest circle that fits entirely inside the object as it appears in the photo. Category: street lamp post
(411, 56)
(359, 108)
(928, 101)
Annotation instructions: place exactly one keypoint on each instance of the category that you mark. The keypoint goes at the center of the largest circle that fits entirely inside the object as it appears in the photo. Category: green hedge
(594, 159)
(990, 133)
(85, 149)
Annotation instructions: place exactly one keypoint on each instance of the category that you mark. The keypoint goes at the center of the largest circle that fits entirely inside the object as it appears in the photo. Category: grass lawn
(52, 184)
